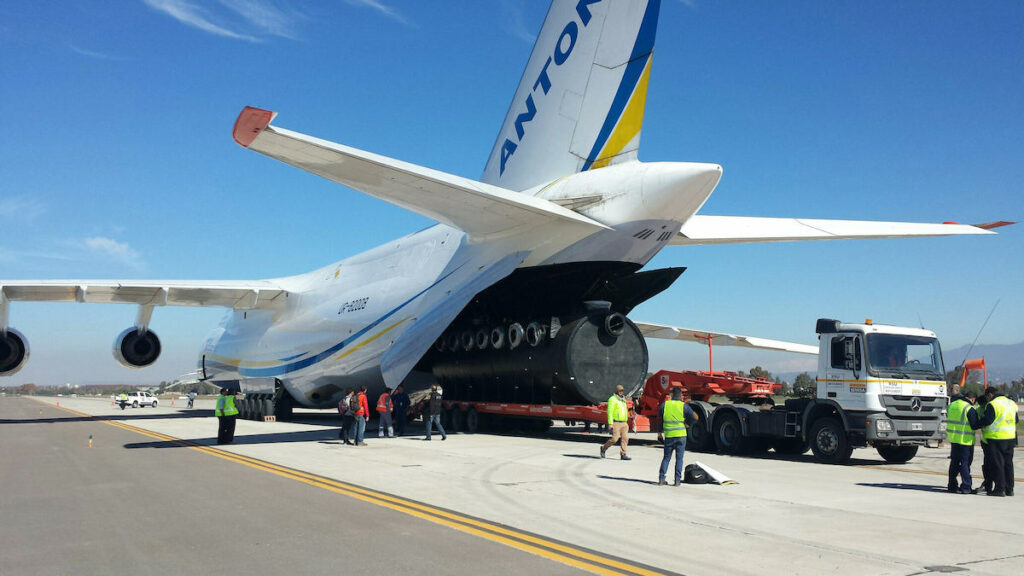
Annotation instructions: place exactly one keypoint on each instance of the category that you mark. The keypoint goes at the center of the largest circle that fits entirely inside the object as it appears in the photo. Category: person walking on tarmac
(433, 415)
(618, 416)
(999, 428)
(347, 407)
(674, 415)
(362, 416)
(384, 408)
(401, 400)
(961, 421)
(226, 414)
(122, 399)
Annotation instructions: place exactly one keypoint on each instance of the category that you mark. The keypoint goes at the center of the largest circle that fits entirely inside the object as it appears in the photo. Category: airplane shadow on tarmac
(304, 436)
(901, 486)
(117, 417)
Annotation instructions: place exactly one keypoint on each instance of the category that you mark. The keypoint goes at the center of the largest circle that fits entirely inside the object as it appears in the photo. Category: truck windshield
(905, 356)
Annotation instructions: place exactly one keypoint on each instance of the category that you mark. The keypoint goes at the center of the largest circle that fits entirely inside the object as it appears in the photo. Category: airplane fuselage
(339, 321)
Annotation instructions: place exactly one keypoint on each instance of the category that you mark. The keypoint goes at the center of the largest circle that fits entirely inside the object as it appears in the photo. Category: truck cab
(888, 383)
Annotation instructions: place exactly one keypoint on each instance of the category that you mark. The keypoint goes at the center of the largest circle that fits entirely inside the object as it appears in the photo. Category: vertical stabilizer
(580, 102)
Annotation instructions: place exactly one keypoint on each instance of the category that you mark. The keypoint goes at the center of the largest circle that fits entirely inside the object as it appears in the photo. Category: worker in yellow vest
(618, 422)
(674, 415)
(987, 475)
(961, 421)
(226, 414)
(999, 429)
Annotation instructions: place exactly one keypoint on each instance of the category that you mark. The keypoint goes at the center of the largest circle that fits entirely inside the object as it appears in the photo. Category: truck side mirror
(850, 353)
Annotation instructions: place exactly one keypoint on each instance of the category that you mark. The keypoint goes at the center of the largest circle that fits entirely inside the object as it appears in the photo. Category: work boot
(676, 483)
(999, 493)
(625, 457)
(966, 491)
(662, 483)
(362, 444)
(602, 451)
(952, 489)
(443, 438)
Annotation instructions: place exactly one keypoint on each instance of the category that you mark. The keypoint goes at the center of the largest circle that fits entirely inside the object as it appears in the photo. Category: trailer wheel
(698, 439)
(829, 442)
(458, 419)
(472, 421)
(897, 454)
(728, 433)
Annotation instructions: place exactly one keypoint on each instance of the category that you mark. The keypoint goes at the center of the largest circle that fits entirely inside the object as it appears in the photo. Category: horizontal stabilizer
(242, 295)
(476, 208)
(701, 229)
(721, 339)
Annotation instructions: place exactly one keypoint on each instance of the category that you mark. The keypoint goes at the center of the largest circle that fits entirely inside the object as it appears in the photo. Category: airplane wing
(721, 339)
(476, 208)
(240, 295)
(700, 229)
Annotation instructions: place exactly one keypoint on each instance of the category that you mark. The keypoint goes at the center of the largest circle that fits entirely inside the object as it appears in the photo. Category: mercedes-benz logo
(915, 404)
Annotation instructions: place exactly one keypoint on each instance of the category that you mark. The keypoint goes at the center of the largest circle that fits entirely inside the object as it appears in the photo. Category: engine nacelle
(13, 352)
(136, 349)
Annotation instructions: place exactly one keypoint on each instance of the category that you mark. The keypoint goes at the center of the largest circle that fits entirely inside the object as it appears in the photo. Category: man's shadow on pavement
(901, 486)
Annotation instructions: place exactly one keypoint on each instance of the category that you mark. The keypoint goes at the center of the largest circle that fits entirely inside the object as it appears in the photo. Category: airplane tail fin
(580, 102)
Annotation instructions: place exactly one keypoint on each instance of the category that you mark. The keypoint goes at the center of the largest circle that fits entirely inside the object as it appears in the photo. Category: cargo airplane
(521, 290)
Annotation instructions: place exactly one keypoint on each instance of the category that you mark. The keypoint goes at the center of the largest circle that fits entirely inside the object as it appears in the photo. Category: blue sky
(116, 159)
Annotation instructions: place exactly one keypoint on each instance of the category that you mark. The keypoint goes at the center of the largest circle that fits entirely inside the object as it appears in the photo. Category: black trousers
(399, 423)
(987, 472)
(960, 459)
(225, 429)
(1002, 464)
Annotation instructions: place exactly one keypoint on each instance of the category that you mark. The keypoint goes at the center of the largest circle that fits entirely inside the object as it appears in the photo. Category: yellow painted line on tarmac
(915, 471)
(545, 548)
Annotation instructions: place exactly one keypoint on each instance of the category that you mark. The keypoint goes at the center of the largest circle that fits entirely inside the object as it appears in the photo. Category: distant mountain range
(1005, 362)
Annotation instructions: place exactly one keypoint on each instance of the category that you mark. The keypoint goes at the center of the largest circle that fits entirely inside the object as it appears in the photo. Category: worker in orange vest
(384, 409)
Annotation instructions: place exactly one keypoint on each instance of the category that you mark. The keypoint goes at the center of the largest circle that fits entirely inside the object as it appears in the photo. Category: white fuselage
(339, 321)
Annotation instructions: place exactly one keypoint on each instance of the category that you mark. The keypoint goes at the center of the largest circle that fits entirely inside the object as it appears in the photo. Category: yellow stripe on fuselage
(629, 124)
(370, 339)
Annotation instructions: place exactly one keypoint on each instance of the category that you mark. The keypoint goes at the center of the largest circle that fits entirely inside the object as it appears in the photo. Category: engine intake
(13, 352)
(136, 349)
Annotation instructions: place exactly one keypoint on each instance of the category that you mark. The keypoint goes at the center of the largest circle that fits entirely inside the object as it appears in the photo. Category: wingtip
(250, 123)
(991, 225)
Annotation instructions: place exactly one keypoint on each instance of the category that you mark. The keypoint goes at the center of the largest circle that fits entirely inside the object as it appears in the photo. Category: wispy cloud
(689, 3)
(382, 8)
(21, 208)
(266, 16)
(196, 17)
(93, 53)
(111, 249)
(512, 12)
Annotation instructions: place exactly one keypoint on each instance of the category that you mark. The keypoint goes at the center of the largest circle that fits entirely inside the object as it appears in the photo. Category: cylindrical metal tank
(581, 364)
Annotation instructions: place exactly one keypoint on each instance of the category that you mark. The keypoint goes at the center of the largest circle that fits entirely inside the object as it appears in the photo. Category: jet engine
(13, 351)
(134, 348)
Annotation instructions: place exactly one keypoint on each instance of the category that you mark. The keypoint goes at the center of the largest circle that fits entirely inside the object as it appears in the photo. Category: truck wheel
(472, 421)
(791, 446)
(897, 454)
(728, 433)
(829, 442)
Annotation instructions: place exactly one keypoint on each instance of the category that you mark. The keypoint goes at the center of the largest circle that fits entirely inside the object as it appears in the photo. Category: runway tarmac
(289, 496)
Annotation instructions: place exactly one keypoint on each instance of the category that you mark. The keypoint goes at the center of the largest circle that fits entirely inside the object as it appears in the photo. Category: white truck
(137, 399)
(877, 385)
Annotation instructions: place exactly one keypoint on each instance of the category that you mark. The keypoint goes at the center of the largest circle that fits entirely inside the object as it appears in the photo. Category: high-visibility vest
(1004, 426)
(384, 403)
(673, 423)
(617, 411)
(958, 426)
(225, 406)
(123, 397)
